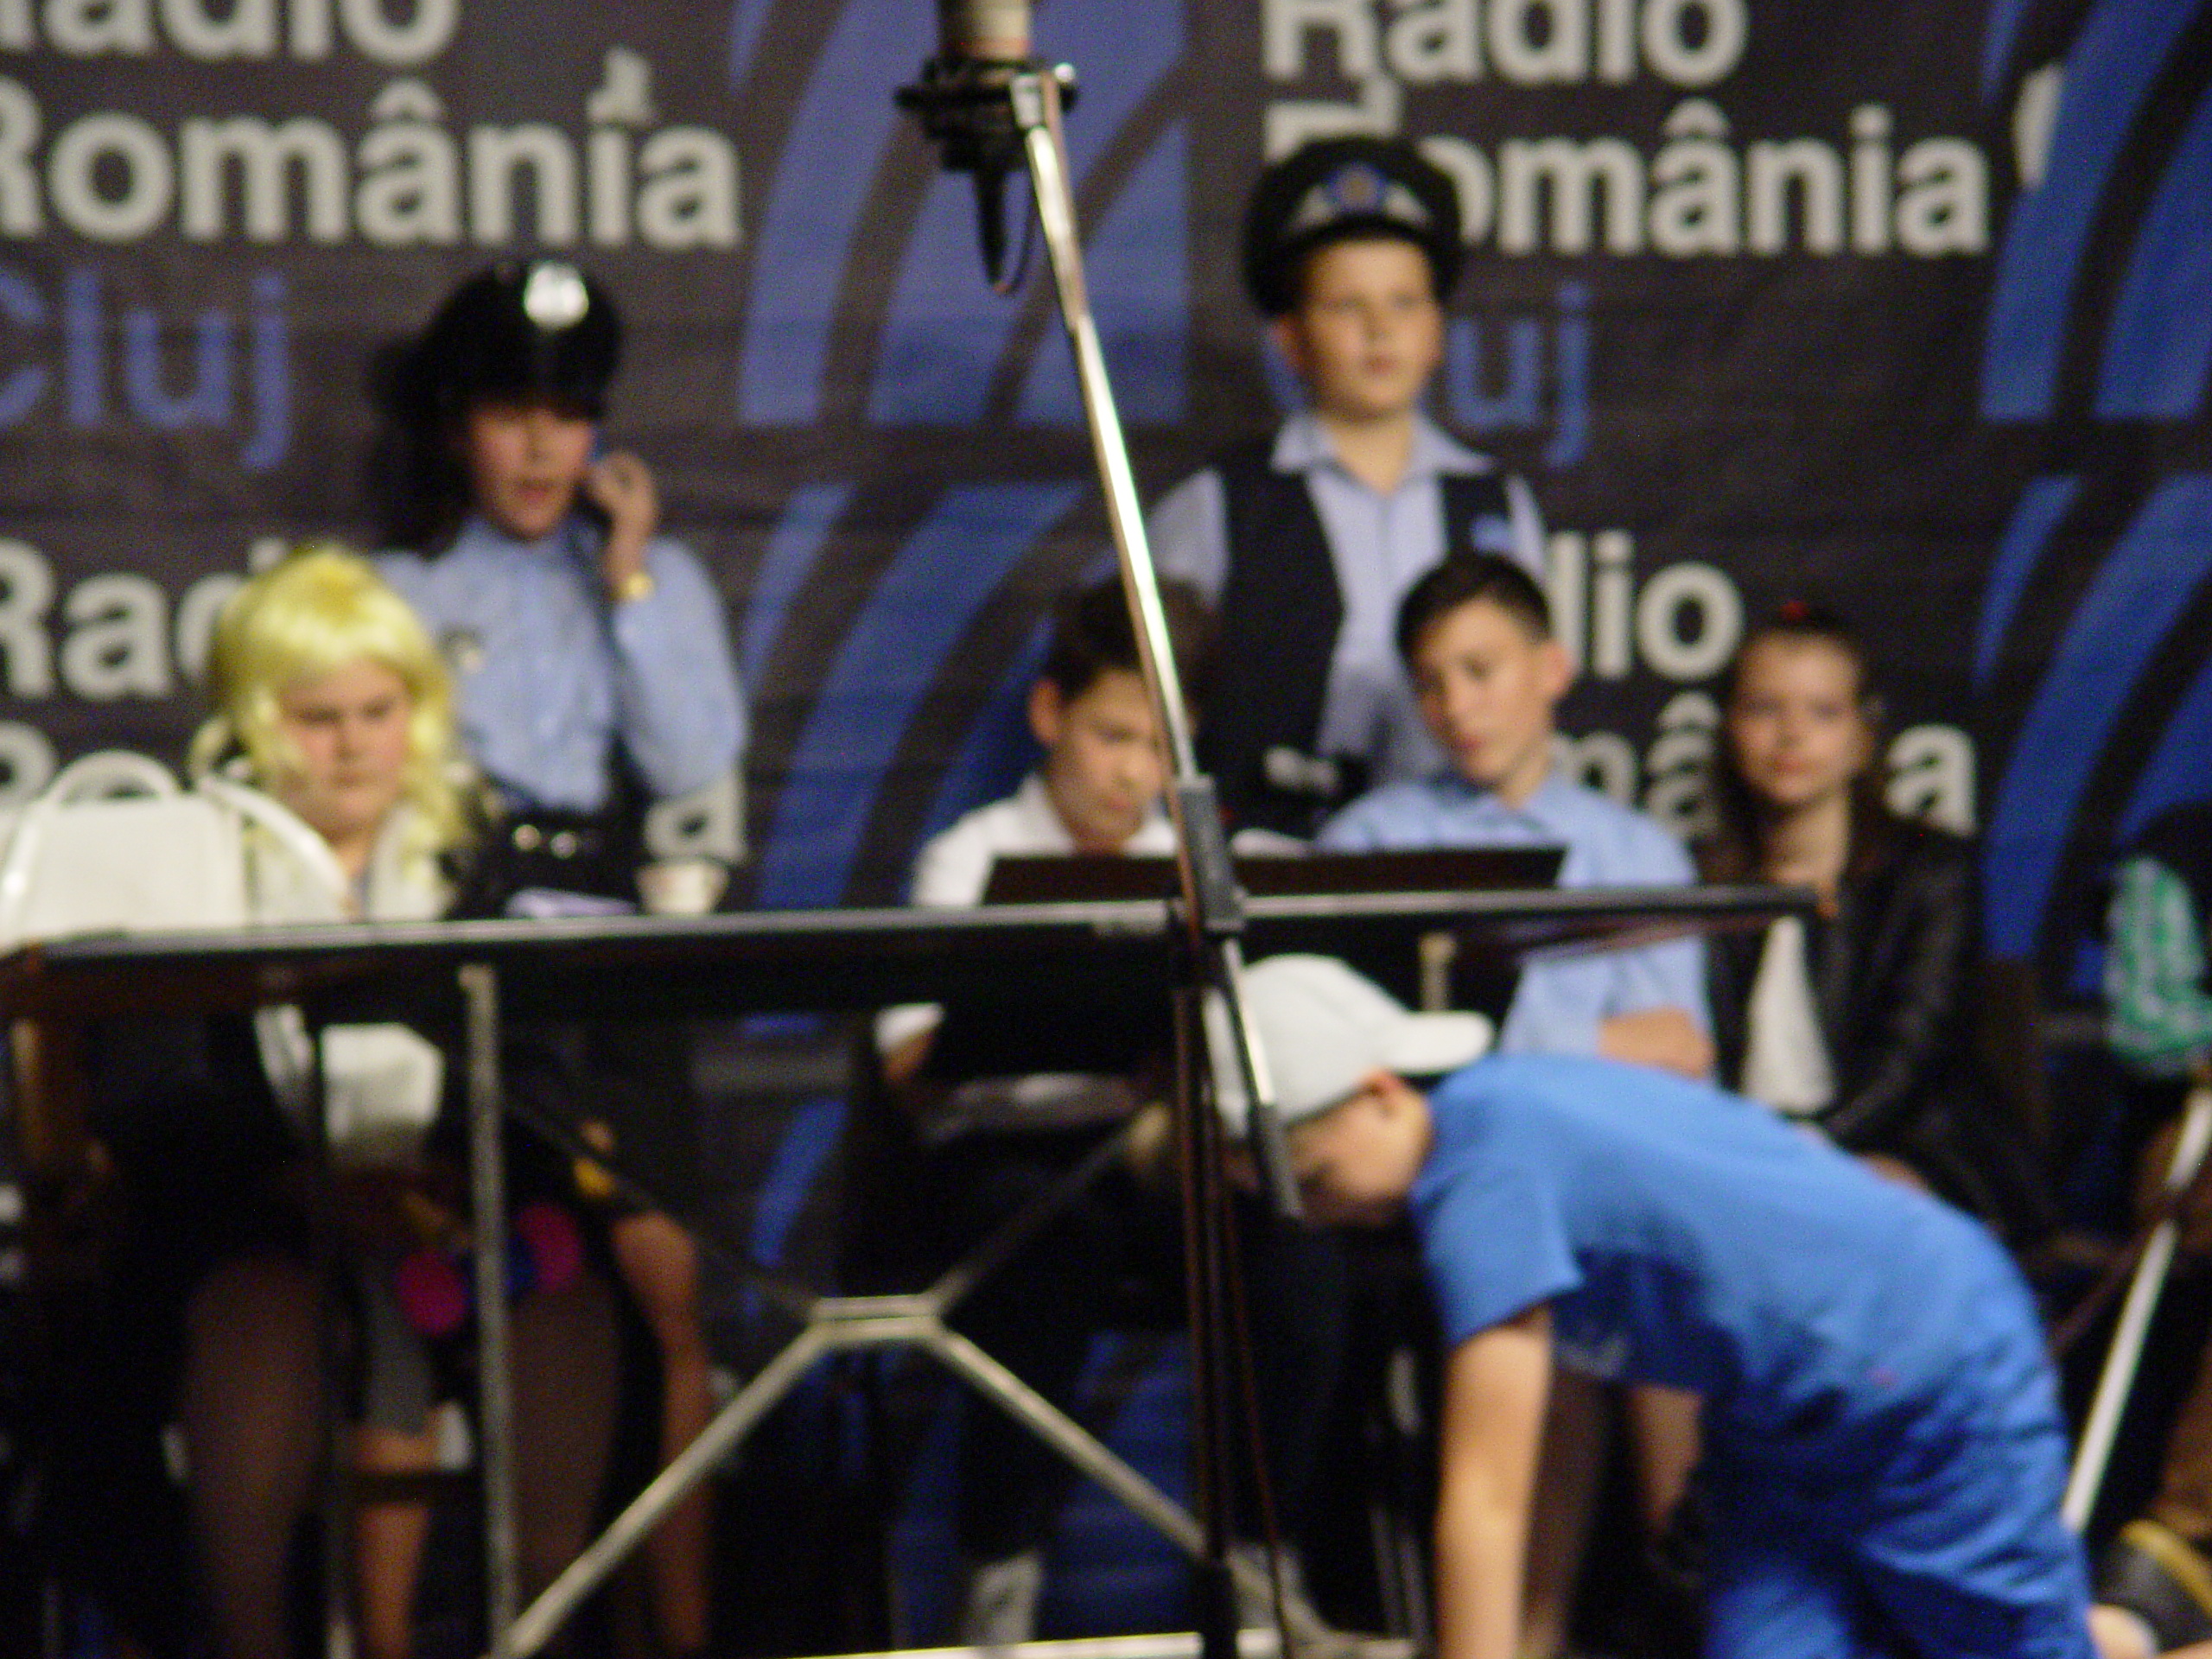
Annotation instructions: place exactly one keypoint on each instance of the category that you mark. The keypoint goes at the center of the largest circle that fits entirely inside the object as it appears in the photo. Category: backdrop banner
(1903, 309)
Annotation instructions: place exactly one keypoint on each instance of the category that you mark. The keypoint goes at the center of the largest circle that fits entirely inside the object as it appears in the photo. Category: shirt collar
(1043, 824)
(572, 538)
(1304, 445)
(1549, 806)
(1041, 818)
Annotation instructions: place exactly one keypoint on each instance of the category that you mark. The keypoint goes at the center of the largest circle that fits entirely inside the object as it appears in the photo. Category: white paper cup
(682, 886)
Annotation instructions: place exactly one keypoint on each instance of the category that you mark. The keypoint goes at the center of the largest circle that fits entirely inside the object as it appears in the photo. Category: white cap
(1323, 1029)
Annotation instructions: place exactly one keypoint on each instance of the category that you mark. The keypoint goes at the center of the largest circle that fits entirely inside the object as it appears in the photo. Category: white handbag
(113, 845)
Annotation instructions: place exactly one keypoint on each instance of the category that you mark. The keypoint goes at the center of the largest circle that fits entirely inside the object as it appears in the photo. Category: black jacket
(1894, 986)
(1891, 975)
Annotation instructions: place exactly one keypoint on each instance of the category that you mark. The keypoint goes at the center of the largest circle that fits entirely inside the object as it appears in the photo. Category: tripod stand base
(1168, 1645)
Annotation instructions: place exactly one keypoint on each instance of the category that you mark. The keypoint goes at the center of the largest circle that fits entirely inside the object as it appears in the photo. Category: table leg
(480, 991)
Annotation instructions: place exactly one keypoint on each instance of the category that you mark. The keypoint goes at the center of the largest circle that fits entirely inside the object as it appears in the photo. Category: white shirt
(950, 874)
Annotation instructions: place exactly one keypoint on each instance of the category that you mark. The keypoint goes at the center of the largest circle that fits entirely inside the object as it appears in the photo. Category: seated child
(1885, 1442)
(2159, 994)
(332, 741)
(991, 1144)
(594, 681)
(1474, 636)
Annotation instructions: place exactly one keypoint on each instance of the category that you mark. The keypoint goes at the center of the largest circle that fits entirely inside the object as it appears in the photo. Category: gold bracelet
(639, 584)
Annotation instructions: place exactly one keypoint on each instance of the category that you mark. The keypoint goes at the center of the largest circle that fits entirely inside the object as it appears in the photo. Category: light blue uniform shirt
(1559, 1005)
(1380, 545)
(550, 676)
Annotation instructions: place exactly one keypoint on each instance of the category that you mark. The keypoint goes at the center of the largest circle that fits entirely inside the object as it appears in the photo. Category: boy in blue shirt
(1474, 636)
(1883, 1435)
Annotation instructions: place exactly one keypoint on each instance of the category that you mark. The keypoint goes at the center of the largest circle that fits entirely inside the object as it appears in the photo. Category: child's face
(1797, 723)
(347, 730)
(525, 463)
(1367, 333)
(1356, 1163)
(1486, 687)
(1104, 765)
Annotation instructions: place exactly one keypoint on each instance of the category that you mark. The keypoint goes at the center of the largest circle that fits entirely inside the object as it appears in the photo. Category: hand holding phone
(620, 487)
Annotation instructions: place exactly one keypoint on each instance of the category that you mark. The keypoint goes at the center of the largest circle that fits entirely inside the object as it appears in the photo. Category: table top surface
(824, 959)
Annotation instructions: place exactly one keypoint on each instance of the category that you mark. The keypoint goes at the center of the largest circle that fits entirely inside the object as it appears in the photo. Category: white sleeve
(949, 875)
(1188, 528)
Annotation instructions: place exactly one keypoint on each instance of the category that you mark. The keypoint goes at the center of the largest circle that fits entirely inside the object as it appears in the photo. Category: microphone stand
(966, 107)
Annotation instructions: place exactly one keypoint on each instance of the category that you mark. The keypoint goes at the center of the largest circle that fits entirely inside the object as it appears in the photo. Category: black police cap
(1342, 189)
(540, 329)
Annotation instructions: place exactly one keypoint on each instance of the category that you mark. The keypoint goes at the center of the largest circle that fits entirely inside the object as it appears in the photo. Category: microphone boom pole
(991, 107)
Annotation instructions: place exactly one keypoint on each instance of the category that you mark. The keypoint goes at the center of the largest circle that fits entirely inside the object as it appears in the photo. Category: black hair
(1462, 579)
(525, 332)
(1734, 851)
(1092, 636)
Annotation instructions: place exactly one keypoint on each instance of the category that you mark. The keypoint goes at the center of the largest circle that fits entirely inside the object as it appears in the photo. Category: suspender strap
(1280, 616)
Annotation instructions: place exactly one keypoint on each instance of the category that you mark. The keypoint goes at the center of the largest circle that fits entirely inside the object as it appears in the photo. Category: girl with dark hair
(594, 682)
(1857, 1021)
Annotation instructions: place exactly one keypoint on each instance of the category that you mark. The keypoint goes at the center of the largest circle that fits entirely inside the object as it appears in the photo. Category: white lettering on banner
(25, 762)
(26, 595)
(1683, 622)
(1932, 776)
(1678, 766)
(117, 636)
(1349, 25)
(236, 374)
(1695, 195)
(118, 643)
(408, 180)
(1531, 42)
(113, 636)
(1931, 768)
(223, 30)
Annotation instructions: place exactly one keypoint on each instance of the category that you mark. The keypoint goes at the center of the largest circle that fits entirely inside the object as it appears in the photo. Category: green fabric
(2159, 1013)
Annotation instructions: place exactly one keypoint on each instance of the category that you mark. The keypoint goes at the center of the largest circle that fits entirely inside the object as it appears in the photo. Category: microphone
(992, 31)
(966, 110)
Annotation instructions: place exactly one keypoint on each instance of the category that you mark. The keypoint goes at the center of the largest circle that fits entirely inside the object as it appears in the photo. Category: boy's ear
(1047, 712)
(1556, 667)
(1289, 342)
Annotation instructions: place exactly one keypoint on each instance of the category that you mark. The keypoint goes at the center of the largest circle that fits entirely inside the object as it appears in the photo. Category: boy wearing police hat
(1306, 541)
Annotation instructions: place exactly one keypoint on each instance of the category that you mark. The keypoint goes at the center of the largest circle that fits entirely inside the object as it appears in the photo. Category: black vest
(1280, 614)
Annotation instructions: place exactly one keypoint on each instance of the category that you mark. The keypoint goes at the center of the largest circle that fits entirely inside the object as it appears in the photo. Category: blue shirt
(1559, 1006)
(550, 676)
(1687, 1237)
(1381, 544)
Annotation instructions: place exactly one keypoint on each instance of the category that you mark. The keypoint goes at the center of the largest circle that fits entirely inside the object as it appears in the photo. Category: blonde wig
(321, 610)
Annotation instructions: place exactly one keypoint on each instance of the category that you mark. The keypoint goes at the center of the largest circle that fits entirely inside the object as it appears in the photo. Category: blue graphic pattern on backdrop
(2110, 69)
(1136, 282)
(945, 336)
(888, 662)
(812, 217)
(2161, 346)
(2127, 611)
(2180, 769)
(2041, 508)
(795, 551)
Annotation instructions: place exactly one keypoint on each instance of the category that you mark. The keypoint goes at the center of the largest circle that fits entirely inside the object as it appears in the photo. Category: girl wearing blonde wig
(332, 741)
(324, 616)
